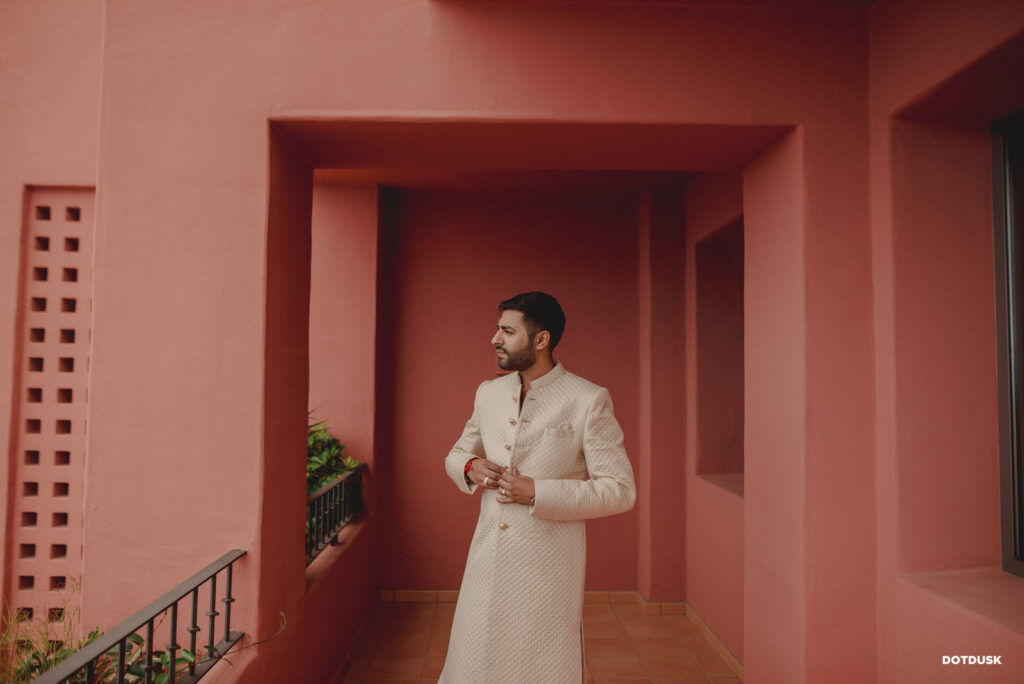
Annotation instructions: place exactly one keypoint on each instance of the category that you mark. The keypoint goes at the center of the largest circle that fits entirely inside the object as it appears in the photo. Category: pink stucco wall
(940, 589)
(455, 259)
(48, 136)
(858, 559)
(714, 535)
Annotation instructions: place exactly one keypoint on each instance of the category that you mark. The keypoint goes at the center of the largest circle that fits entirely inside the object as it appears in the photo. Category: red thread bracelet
(469, 466)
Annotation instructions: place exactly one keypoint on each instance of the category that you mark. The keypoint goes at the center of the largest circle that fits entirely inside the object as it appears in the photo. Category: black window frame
(1008, 243)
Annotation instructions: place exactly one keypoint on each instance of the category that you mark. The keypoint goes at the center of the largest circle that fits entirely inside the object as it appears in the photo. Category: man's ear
(542, 340)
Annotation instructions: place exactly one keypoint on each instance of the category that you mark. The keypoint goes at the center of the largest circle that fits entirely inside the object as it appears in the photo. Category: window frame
(1008, 240)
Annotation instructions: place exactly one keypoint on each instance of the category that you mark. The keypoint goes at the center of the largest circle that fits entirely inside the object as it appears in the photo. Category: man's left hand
(515, 488)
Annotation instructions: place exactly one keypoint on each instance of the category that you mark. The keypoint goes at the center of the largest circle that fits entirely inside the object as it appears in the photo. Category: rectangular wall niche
(46, 484)
(719, 259)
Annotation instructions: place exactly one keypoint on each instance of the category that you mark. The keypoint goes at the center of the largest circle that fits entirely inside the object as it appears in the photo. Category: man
(544, 447)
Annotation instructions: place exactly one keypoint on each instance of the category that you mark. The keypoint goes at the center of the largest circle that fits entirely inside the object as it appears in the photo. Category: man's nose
(496, 340)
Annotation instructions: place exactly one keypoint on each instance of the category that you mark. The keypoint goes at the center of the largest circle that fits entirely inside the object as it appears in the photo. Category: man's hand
(515, 488)
(485, 473)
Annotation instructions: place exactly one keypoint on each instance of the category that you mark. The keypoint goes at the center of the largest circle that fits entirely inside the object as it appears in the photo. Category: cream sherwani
(518, 616)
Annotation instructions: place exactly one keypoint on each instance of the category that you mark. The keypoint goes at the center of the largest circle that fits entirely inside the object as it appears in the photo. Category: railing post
(212, 614)
(227, 600)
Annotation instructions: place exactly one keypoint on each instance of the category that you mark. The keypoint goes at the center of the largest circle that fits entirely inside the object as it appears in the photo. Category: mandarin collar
(543, 381)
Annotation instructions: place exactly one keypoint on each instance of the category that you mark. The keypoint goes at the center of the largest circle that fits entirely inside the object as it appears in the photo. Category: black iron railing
(122, 656)
(329, 508)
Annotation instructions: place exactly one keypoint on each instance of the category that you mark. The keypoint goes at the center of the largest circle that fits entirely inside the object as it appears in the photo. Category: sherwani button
(508, 447)
(511, 421)
(502, 526)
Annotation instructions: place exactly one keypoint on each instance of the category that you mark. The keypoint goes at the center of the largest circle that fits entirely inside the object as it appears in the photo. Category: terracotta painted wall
(343, 314)
(196, 321)
(776, 552)
(662, 571)
(49, 106)
(456, 256)
(945, 72)
(714, 529)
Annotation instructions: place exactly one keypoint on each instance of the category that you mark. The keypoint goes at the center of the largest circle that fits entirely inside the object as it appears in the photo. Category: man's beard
(518, 360)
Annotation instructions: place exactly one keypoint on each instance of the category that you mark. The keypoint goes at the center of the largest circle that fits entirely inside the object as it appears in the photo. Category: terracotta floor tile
(432, 668)
(404, 646)
(624, 610)
(604, 668)
(447, 609)
(608, 648)
(673, 667)
(681, 625)
(442, 622)
(599, 610)
(646, 626)
(603, 629)
(713, 665)
(394, 668)
(660, 647)
(437, 647)
(412, 614)
(409, 642)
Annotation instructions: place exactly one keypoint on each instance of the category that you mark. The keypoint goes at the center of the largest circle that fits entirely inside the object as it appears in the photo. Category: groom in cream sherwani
(544, 447)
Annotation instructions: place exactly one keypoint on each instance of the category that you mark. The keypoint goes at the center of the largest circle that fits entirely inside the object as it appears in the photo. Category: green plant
(30, 647)
(324, 461)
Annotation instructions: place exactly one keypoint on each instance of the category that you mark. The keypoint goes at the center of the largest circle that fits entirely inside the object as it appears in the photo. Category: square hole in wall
(62, 458)
(38, 304)
(54, 646)
(70, 244)
(33, 426)
(68, 305)
(72, 214)
(32, 457)
(64, 395)
(30, 489)
(26, 582)
(54, 614)
(24, 614)
(61, 488)
(37, 334)
(63, 427)
(58, 550)
(59, 520)
(41, 244)
(35, 395)
(35, 364)
(70, 275)
(26, 550)
(67, 335)
(58, 582)
(67, 364)
(42, 213)
(40, 273)
(29, 519)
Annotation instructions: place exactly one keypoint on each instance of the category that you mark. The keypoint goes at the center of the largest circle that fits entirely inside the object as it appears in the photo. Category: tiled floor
(407, 642)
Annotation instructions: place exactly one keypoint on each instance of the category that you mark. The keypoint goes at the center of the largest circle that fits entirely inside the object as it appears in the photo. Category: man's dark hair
(540, 311)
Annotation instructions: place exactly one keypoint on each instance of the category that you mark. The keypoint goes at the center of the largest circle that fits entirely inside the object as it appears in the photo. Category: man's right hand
(485, 473)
